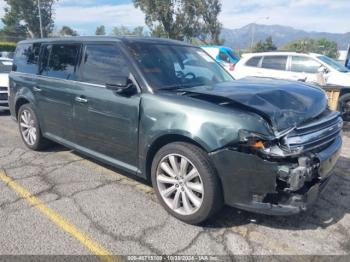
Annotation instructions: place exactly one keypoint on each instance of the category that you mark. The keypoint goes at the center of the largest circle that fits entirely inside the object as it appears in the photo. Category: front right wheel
(186, 183)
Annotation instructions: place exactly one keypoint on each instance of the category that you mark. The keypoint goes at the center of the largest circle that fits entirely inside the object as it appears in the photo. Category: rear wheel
(29, 128)
(186, 183)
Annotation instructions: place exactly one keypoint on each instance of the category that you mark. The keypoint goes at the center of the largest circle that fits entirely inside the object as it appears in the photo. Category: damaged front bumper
(275, 187)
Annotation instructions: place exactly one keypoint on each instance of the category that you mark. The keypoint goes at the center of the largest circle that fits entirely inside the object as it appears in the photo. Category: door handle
(80, 99)
(37, 89)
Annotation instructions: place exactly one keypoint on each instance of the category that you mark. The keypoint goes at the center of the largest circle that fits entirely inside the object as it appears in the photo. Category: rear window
(102, 63)
(60, 60)
(274, 62)
(254, 61)
(26, 58)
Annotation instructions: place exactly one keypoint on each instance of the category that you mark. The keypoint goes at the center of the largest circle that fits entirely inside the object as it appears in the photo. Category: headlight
(254, 140)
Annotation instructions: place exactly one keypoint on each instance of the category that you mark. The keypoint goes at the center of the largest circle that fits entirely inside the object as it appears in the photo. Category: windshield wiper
(176, 87)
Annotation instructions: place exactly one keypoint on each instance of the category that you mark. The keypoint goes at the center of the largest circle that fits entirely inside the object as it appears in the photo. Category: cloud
(108, 15)
(2, 6)
(310, 15)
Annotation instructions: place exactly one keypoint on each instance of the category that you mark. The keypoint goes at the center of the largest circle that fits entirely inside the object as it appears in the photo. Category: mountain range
(241, 38)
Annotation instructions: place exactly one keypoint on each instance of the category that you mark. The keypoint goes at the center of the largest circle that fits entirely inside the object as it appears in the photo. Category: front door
(304, 68)
(106, 123)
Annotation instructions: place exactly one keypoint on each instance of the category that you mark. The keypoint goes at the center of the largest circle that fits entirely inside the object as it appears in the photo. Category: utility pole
(253, 29)
(40, 20)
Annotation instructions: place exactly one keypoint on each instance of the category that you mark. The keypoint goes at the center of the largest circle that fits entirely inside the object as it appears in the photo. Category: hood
(284, 104)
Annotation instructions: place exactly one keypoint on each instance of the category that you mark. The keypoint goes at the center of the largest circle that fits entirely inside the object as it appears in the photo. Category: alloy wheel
(28, 129)
(180, 184)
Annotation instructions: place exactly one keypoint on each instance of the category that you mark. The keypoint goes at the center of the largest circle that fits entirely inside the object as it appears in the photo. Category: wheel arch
(163, 140)
(20, 102)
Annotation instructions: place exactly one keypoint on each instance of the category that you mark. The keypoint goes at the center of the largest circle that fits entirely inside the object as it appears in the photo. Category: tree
(265, 46)
(100, 30)
(210, 10)
(321, 46)
(182, 19)
(22, 18)
(123, 30)
(67, 31)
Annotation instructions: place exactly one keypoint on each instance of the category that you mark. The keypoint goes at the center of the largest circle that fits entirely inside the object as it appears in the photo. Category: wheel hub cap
(28, 129)
(180, 184)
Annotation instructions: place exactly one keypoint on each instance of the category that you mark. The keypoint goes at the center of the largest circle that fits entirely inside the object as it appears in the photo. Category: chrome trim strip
(331, 117)
(66, 80)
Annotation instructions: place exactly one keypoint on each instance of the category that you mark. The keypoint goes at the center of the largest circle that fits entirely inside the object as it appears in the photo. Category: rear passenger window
(102, 63)
(254, 61)
(274, 62)
(26, 58)
(62, 61)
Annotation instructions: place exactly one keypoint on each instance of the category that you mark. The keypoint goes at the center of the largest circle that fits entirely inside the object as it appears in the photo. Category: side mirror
(121, 85)
(322, 70)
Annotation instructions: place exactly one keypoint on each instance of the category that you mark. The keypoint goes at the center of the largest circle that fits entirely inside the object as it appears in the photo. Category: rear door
(56, 89)
(106, 123)
(274, 66)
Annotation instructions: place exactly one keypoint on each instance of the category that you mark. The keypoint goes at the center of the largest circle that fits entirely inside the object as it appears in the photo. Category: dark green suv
(167, 112)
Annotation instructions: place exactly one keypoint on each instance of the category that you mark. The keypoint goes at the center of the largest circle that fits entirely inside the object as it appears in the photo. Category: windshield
(175, 66)
(5, 67)
(334, 64)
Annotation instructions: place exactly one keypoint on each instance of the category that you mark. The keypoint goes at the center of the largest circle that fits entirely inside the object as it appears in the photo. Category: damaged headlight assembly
(267, 145)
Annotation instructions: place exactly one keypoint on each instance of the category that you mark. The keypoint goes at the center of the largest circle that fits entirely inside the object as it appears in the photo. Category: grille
(3, 97)
(3, 88)
(314, 135)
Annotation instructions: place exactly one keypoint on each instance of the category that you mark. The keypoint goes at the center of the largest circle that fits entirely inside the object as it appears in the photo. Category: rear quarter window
(26, 58)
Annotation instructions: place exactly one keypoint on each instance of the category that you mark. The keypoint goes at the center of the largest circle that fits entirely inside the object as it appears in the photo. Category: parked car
(5, 69)
(292, 66)
(166, 111)
(226, 56)
(6, 54)
(312, 68)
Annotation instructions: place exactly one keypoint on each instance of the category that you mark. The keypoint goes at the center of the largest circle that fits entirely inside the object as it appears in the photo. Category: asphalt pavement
(59, 202)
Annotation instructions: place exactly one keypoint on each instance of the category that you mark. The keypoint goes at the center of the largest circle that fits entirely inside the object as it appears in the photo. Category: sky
(310, 15)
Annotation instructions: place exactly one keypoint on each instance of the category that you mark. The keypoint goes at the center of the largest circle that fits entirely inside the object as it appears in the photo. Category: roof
(216, 46)
(280, 53)
(126, 39)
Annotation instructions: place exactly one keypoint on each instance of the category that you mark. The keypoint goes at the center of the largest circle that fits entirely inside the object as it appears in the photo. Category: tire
(27, 125)
(188, 185)
(344, 101)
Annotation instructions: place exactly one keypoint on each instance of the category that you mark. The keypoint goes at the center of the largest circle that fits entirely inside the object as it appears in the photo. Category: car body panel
(285, 104)
(121, 130)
